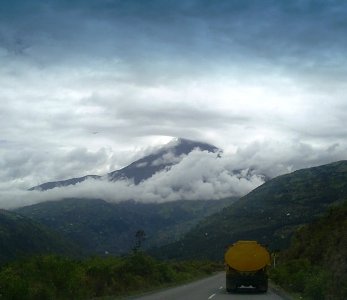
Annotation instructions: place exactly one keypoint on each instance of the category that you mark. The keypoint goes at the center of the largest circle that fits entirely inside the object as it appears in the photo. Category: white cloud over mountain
(87, 87)
(198, 175)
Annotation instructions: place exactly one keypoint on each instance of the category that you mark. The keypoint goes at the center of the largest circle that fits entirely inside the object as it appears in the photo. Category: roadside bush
(57, 278)
(299, 276)
(316, 285)
(44, 277)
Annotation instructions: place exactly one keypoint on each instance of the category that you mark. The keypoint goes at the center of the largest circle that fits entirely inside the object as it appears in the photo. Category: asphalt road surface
(211, 288)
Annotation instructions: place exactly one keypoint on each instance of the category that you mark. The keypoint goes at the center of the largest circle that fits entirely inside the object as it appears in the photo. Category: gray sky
(88, 86)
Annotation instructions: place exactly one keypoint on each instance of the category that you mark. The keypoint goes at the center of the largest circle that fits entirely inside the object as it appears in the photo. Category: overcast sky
(88, 86)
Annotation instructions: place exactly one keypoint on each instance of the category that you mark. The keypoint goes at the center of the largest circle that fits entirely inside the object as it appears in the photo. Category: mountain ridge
(202, 229)
(98, 226)
(270, 213)
(141, 169)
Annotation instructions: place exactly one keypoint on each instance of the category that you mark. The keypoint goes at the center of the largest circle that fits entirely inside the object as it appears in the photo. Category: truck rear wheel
(262, 288)
(232, 289)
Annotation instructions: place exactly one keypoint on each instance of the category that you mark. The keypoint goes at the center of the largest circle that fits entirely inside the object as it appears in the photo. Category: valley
(173, 150)
(99, 227)
(184, 230)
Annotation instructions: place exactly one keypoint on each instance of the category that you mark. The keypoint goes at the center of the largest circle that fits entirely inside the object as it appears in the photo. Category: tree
(140, 236)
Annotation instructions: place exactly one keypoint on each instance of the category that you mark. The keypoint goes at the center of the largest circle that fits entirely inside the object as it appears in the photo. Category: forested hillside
(20, 236)
(269, 214)
(315, 265)
(100, 227)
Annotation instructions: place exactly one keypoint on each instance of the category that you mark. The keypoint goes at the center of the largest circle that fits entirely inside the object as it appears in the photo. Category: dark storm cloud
(143, 32)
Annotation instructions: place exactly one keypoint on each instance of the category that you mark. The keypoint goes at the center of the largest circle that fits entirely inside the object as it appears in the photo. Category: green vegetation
(55, 277)
(97, 226)
(269, 214)
(315, 265)
(21, 236)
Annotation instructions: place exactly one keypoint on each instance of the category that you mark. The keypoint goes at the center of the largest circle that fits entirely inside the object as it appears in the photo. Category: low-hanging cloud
(200, 175)
(85, 84)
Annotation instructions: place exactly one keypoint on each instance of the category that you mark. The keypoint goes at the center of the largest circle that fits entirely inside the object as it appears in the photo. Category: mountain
(21, 236)
(269, 214)
(169, 155)
(100, 227)
(143, 168)
(51, 185)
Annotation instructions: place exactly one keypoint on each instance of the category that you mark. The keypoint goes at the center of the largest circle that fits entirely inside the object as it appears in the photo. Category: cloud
(167, 159)
(29, 167)
(252, 77)
(199, 175)
(273, 158)
(145, 36)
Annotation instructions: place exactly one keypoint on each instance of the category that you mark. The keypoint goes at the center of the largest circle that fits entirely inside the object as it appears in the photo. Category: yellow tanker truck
(246, 265)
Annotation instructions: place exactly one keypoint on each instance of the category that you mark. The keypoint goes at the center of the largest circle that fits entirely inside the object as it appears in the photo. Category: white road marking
(221, 288)
(211, 296)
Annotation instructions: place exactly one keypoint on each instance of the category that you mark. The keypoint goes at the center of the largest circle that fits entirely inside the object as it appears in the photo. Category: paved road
(212, 288)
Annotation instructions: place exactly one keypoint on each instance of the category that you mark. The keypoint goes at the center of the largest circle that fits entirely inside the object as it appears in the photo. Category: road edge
(163, 288)
(280, 291)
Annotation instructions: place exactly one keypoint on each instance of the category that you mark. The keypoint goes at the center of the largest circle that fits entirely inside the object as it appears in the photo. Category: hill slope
(98, 226)
(319, 253)
(20, 236)
(269, 214)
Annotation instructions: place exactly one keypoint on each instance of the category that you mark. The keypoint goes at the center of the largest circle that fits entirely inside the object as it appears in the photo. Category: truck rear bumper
(235, 280)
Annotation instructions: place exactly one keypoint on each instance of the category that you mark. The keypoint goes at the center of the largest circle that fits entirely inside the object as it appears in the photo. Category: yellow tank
(247, 256)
